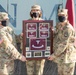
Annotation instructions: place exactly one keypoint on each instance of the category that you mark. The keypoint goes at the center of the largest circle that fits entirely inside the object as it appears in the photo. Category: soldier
(36, 13)
(8, 52)
(35, 67)
(63, 45)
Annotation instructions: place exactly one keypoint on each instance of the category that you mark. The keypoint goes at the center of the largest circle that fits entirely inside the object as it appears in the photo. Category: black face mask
(35, 14)
(4, 23)
(61, 18)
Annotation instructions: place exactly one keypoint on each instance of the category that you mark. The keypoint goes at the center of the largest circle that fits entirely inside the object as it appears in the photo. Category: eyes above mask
(34, 14)
(4, 23)
(61, 18)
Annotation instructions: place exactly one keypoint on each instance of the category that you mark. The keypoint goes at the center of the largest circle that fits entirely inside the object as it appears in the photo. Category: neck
(63, 23)
(35, 18)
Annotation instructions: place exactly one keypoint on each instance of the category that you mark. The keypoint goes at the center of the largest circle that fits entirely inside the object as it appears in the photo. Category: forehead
(35, 10)
(61, 15)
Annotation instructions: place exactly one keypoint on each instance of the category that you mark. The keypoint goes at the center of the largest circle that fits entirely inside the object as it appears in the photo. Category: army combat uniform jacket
(35, 67)
(63, 44)
(11, 35)
(8, 52)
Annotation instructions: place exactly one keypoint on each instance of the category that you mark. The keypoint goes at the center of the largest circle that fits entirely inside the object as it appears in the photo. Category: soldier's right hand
(23, 59)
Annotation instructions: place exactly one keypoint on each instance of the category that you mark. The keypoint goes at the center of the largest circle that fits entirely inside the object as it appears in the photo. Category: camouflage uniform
(35, 67)
(8, 52)
(64, 50)
(12, 37)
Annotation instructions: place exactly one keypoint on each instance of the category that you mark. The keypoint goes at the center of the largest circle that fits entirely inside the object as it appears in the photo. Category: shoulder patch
(66, 34)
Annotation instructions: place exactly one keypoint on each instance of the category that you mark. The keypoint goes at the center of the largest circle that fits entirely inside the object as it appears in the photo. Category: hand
(50, 58)
(22, 34)
(23, 59)
(1, 40)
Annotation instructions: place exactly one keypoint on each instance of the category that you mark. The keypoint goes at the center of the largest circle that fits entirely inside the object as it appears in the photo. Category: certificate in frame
(37, 39)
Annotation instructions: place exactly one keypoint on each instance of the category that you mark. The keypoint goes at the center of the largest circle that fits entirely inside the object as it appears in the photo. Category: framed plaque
(37, 39)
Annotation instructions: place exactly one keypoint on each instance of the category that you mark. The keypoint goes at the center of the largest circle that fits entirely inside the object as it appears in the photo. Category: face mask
(35, 14)
(61, 18)
(4, 23)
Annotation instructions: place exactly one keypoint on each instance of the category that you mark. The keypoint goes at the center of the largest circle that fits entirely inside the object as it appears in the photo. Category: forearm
(59, 49)
(13, 52)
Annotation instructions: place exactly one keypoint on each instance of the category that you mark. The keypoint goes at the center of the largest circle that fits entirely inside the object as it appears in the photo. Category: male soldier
(63, 45)
(35, 67)
(8, 52)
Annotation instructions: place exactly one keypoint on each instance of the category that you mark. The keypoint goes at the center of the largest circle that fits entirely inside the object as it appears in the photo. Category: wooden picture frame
(37, 39)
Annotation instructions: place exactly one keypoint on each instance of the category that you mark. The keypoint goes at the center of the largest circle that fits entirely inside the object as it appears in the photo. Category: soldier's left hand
(23, 59)
(50, 58)
(22, 34)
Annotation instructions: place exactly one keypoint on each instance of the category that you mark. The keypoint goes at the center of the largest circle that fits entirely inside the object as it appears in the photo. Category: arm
(63, 44)
(9, 48)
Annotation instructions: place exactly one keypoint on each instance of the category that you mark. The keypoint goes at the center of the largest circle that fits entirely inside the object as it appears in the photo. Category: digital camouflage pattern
(36, 7)
(10, 32)
(63, 44)
(66, 68)
(64, 50)
(8, 52)
(35, 67)
(3, 16)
